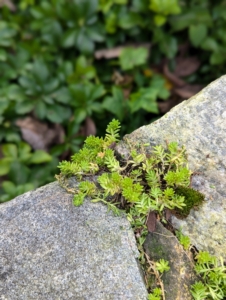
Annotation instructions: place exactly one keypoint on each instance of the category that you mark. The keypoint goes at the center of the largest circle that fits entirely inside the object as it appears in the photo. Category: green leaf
(197, 15)
(83, 70)
(25, 107)
(3, 106)
(21, 189)
(9, 187)
(210, 43)
(48, 99)
(15, 92)
(12, 137)
(165, 7)
(86, 8)
(131, 57)
(51, 85)
(197, 34)
(6, 34)
(96, 92)
(80, 115)
(129, 20)
(159, 20)
(84, 43)
(106, 5)
(159, 82)
(40, 109)
(4, 166)
(24, 152)
(10, 150)
(116, 103)
(78, 95)
(111, 23)
(69, 39)
(218, 57)
(27, 83)
(57, 113)
(3, 55)
(39, 157)
(145, 99)
(19, 173)
(40, 70)
(63, 95)
(94, 35)
(168, 46)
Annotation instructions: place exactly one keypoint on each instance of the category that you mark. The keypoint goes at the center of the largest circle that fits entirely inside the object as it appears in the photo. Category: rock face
(52, 250)
(200, 125)
(162, 244)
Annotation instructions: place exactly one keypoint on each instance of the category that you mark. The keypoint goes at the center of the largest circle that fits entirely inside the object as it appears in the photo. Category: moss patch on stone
(192, 199)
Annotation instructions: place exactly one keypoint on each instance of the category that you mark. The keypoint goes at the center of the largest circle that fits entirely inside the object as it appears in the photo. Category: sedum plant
(141, 184)
(213, 273)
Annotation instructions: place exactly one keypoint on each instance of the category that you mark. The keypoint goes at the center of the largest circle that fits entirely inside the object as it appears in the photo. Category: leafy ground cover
(69, 67)
(145, 186)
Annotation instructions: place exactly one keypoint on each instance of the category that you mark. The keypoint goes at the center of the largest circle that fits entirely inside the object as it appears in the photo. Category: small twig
(156, 273)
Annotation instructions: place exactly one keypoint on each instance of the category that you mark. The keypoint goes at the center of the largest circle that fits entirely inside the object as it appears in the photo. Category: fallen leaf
(165, 106)
(188, 90)
(167, 214)
(9, 4)
(40, 135)
(186, 66)
(172, 77)
(89, 127)
(151, 221)
(125, 81)
(115, 52)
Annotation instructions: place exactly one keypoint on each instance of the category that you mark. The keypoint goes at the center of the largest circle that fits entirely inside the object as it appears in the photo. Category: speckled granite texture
(51, 250)
(200, 125)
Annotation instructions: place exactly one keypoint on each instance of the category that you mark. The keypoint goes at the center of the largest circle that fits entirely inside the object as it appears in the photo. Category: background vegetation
(67, 67)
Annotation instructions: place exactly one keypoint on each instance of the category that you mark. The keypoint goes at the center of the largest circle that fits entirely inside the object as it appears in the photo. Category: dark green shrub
(51, 70)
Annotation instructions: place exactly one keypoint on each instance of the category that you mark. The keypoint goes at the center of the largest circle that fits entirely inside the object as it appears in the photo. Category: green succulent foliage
(155, 295)
(142, 183)
(78, 199)
(213, 273)
(184, 240)
(162, 265)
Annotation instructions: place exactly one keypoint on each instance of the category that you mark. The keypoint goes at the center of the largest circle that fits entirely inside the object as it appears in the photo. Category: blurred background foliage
(67, 67)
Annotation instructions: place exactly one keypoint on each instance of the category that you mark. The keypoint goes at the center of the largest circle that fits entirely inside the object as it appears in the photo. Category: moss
(192, 199)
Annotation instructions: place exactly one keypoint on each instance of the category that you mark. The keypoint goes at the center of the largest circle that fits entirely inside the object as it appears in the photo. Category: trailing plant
(157, 268)
(183, 239)
(210, 269)
(213, 273)
(143, 183)
(139, 185)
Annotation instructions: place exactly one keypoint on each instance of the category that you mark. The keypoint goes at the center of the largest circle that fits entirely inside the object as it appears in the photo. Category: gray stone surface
(54, 251)
(162, 244)
(200, 124)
